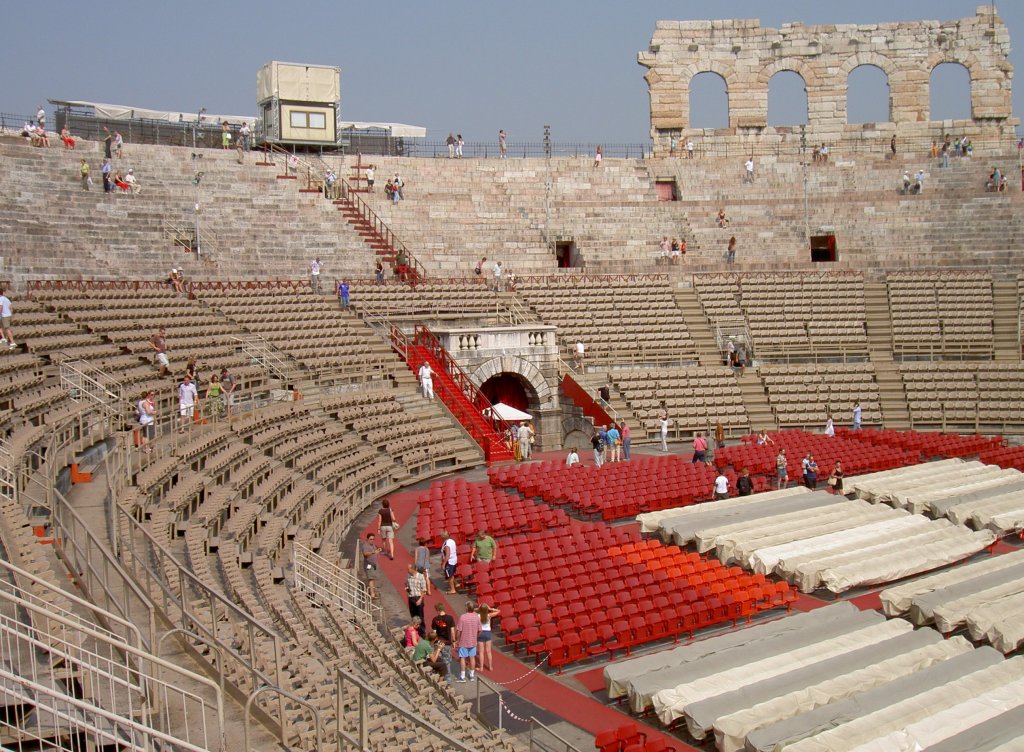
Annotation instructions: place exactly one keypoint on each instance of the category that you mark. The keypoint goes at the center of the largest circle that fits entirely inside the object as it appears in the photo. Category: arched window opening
(709, 101)
(787, 99)
(950, 92)
(867, 95)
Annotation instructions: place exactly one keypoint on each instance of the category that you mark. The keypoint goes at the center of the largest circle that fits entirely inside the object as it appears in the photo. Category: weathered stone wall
(746, 56)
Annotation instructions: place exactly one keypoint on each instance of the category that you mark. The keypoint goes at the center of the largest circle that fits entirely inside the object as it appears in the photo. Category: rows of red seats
(593, 590)
(1008, 457)
(463, 509)
(929, 445)
(857, 457)
(629, 738)
(615, 490)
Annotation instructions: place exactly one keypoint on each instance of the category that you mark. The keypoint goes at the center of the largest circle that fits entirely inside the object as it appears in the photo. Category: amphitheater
(210, 592)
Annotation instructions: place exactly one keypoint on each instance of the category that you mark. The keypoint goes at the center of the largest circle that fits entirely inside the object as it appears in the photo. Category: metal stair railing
(183, 235)
(344, 191)
(85, 381)
(367, 696)
(262, 353)
(135, 698)
(325, 582)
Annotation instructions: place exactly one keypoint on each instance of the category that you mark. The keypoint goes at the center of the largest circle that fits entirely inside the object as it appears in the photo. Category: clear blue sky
(463, 66)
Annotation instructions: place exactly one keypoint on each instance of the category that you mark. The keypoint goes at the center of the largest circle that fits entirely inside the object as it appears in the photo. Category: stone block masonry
(747, 55)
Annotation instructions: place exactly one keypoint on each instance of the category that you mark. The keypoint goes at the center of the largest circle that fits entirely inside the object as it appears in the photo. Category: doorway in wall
(566, 254)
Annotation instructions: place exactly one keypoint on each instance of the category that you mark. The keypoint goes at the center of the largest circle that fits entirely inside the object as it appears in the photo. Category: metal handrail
(328, 583)
(346, 192)
(530, 149)
(261, 352)
(174, 230)
(365, 690)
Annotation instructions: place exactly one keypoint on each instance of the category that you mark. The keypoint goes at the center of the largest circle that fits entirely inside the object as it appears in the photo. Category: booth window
(302, 119)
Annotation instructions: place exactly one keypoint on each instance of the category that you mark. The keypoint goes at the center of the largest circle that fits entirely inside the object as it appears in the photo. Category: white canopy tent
(507, 412)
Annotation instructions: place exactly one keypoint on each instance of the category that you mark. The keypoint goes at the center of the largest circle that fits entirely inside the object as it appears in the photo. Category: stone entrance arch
(542, 396)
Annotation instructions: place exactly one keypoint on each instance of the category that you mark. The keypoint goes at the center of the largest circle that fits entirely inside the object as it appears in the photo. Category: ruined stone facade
(746, 56)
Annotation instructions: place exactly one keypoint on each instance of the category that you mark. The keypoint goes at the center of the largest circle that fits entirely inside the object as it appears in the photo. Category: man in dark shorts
(444, 624)
(744, 485)
(369, 550)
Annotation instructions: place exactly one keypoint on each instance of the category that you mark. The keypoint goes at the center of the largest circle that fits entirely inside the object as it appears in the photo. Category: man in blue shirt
(614, 444)
(343, 293)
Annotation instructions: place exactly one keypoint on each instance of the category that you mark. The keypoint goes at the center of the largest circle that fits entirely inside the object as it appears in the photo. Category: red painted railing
(456, 389)
(345, 192)
(583, 400)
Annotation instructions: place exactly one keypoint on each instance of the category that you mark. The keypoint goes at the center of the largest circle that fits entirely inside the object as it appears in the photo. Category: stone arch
(712, 111)
(794, 64)
(689, 72)
(858, 71)
(790, 84)
(546, 396)
(951, 59)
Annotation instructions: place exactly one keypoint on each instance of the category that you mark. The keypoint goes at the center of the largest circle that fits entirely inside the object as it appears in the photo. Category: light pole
(197, 178)
(803, 163)
(547, 186)
(199, 119)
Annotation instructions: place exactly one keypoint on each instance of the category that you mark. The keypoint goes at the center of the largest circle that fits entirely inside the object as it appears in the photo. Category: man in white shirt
(689, 148)
(450, 559)
(188, 398)
(581, 351)
(497, 276)
(314, 275)
(6, 335)
(370, 175)
(426, 375)
(573, 458)
(721, 486)
(132, 182)
(750, 170)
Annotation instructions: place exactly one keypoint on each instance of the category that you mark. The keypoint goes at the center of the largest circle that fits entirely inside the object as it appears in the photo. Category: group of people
(736, 356)
(687, 148)
(672, 251)
(520, 439)
(997, 182)
(455, 144)
(915, 185)
(220, 392)
(469, 638)
(394, 189)
(961, 147)
(610, 444)
(501, 278)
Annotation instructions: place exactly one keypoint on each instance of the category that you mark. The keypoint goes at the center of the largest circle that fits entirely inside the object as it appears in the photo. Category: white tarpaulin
(507, 412)
(395, 130)
(125, 112)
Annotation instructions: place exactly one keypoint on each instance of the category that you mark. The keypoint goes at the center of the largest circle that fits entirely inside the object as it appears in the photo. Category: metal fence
(529, 149)
(131, 699)
(327, 583)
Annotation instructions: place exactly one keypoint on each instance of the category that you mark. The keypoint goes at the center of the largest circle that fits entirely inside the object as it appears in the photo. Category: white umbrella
(507, 412)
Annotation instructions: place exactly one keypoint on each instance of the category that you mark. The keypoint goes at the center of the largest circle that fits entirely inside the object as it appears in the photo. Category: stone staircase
(878, 321)
(456, 211)
(892, 395)
(51, 228)
(708, 353)
(1006, 324)
(755, 400)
